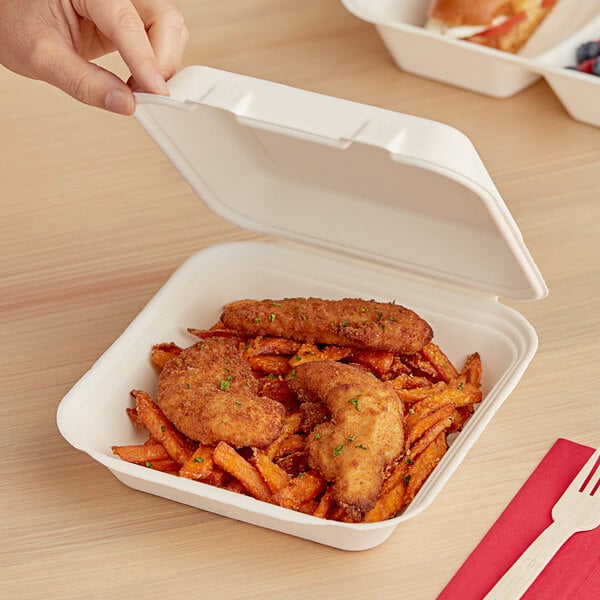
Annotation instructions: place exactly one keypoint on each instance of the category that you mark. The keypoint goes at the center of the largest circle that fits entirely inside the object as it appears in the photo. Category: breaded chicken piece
(353, 322)
(210, 394)
(362, 434)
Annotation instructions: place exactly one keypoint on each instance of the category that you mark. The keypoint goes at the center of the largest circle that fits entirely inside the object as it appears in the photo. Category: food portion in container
(336, 408)
(502, 24)
(587, 58)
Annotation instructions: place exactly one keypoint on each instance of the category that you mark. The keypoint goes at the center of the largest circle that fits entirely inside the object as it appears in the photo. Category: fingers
(88, 82)
(167, 33)
(149, 34)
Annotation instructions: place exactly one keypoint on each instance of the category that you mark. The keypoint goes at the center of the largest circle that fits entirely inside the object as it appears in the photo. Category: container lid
(395, 189)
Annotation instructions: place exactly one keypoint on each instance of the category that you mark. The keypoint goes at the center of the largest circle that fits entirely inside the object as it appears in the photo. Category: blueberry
(587, 50)
(596, 66)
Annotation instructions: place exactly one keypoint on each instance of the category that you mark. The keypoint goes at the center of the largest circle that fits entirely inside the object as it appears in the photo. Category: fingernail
(118, 101)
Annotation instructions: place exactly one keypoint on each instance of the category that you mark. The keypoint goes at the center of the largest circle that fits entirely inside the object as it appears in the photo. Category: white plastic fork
(578, 509)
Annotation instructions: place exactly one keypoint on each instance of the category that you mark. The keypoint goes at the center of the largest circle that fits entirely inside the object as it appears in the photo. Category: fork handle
(516, 581)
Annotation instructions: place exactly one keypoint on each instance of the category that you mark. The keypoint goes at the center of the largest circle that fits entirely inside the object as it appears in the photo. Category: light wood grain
(94, 219)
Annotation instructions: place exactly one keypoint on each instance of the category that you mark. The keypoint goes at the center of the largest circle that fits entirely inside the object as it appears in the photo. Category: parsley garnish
(338, 450)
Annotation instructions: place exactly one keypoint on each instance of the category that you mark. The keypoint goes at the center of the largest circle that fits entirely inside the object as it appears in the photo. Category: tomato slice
(506, 26)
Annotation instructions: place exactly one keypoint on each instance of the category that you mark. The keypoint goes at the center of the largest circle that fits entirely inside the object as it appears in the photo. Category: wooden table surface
(94, 219)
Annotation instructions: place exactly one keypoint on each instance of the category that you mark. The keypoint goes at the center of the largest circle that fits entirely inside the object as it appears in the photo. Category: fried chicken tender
(361, 431)
(353, 322)
(210, 395)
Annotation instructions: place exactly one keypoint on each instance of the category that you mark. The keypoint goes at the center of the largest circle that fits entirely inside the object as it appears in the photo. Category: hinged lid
(396, 189)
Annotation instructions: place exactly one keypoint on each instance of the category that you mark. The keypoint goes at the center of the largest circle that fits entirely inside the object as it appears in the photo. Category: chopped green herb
(406, 479)
(354, 401)
(225, 385)
(257, 320)
(361, 446)
(338, 450)
(238, 403)
(461, 386)
(409, 461)
(149, 464)
(344, 323)
(411, 411)
(272, 317)
(162, 428)
(198, 459)
(351, 438)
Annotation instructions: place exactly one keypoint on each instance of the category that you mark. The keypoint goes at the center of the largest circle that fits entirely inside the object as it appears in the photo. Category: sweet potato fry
(271, 346)
(278, 389)
(161, 428)
(441, 363)
(218, 330)
(429, 420)
(423, 465)
(388, 504)
(439, 428)
(229, 460)
(200, 465)
(273, 474)
(472, 370)
(421, 366)
(325, 504)
(460, 395)
(391, 499)
(416, 394)
(377, 362)
(161, 353)
(291, 425)
(140, 454)
(311, 352)
(461, 416)
(275, 365)
(300, 490)
(167, 465)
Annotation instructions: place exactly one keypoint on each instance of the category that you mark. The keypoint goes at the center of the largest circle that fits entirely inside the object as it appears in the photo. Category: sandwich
(503, 24)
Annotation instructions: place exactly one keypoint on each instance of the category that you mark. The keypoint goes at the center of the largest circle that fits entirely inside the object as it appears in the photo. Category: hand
(55, 40)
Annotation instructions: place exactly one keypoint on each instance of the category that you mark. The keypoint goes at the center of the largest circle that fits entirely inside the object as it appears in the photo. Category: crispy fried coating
(362, 434)
(210, 395)
(353, 322)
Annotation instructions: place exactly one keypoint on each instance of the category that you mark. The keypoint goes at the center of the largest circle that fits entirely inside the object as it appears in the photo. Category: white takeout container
(363, 202)
(486, 70)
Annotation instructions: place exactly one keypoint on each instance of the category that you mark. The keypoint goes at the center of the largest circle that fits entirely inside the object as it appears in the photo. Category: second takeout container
(547, 54)
(360, 202)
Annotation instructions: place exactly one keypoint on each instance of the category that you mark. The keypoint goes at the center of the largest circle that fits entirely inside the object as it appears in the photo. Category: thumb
(87, 82)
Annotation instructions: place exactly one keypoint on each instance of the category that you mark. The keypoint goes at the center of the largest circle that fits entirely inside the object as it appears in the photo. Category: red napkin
(573, 573)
